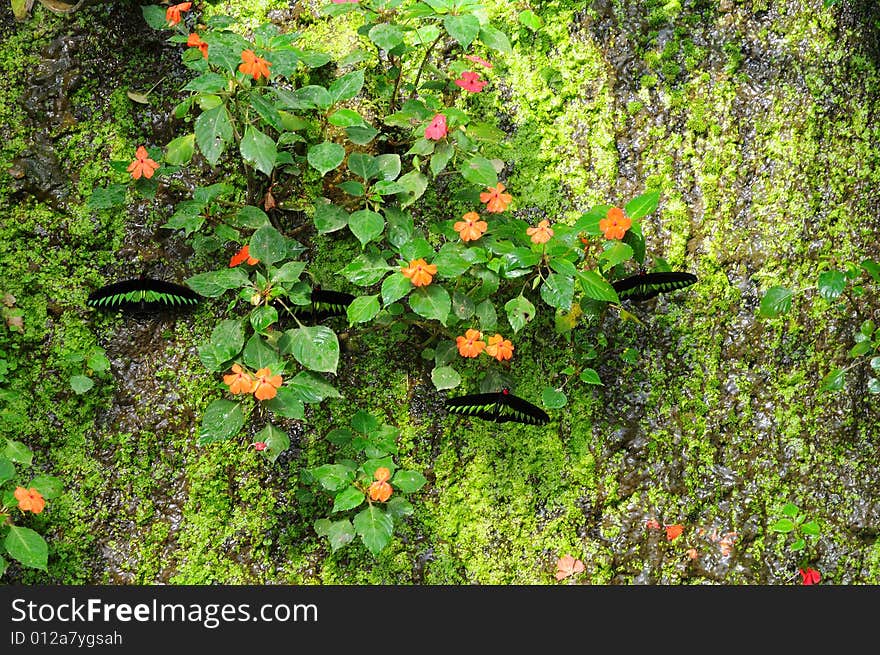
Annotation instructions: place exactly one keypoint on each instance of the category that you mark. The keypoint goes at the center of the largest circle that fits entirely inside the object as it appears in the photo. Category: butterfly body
(142, 295)
(499, 406)
(645, 286)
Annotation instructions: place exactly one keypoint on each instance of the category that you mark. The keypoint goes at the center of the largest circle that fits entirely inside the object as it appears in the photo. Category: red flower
(29, 500)
(142, 164)
(195, 41)
(437, 129)
(471, 344)
(673, 532)
(254, 66)
(652, 524)
(479, 60)
(470, 227)
(470, 81)
(615, 224)
(495, 198)
(810, 576)
(242, 255)
(172, 14)
(260, 445)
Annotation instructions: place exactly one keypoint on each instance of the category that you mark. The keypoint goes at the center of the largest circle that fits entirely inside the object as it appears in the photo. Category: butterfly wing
(324, 304)
(514, 408)
(481, 405)
(142, 294)
(645, 286)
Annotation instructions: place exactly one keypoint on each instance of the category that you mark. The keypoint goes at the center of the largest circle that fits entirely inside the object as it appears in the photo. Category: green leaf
(154, 15)
(109, 197)
(347, 86)
(783, 525)
(415, 184)
(400, 227)
(366, 269)
(519, 312)
(432, 302)
(776, 301)
(333, 477)
(81, 383)
(811, 528)
(97, 360)
(258, 150)
(363, 309)
(348, 498)
(385, 35)
(872, 268)
(215, 283)
(18, 453)
(262, 317)
(486, 314)
(618, 253)
(791, 510)
(395, 287)
(558, 291)
(325, 156)
(28, 547)
(831, 284)
(268, 245)
(258, 354)
(339, 436)
(398, 507)
(213, 131)
(329, 217)
(834, 381)
(311, 387)
(445, 377)
(223, 419)
(364, 422)
(366, 225)
(361, 134)
(179, 151)
(227, 340)
(374, 527)
(873, 385)
(250, 217)
(531, 20)
(276, 441)
(464, 28)
(597, 287)
(589, 376)
(287, 403)
(408, 481)
(7, 470)
(480, 171)
(288, 273)
(642, 205)
(345, 118)
(553, 399)
(4, 564)
(339, 533)
(48, 485)
(495, 39)
(363, 165)
(798, 545)
(316, 348)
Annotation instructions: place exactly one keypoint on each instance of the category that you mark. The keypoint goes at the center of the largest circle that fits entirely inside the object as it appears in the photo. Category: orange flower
(382, 474)
(253, 65)
(172, 14)
(241, 255)
(419, 272)
(470, 345)
(195, 41)
(615, 224)
(674, 531)
(29, 500)
(496, 201)
(142, 164)
(239, 381)
(567, 566)
(470, 227)
(540, 234)
(266, 385)
(499, 348)
(380, 491)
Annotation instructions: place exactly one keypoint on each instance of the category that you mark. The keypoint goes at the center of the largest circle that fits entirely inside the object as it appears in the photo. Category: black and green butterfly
(142, 295)
(644, 286)
(325, 303)
(500, 406)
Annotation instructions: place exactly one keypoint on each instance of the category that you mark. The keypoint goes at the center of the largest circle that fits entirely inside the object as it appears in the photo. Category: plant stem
(422, 65)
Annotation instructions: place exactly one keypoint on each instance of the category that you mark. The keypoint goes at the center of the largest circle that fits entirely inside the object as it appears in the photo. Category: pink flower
(260, 445)
(437, 129)
(810, 576)
(479, 60)
(470, 81)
